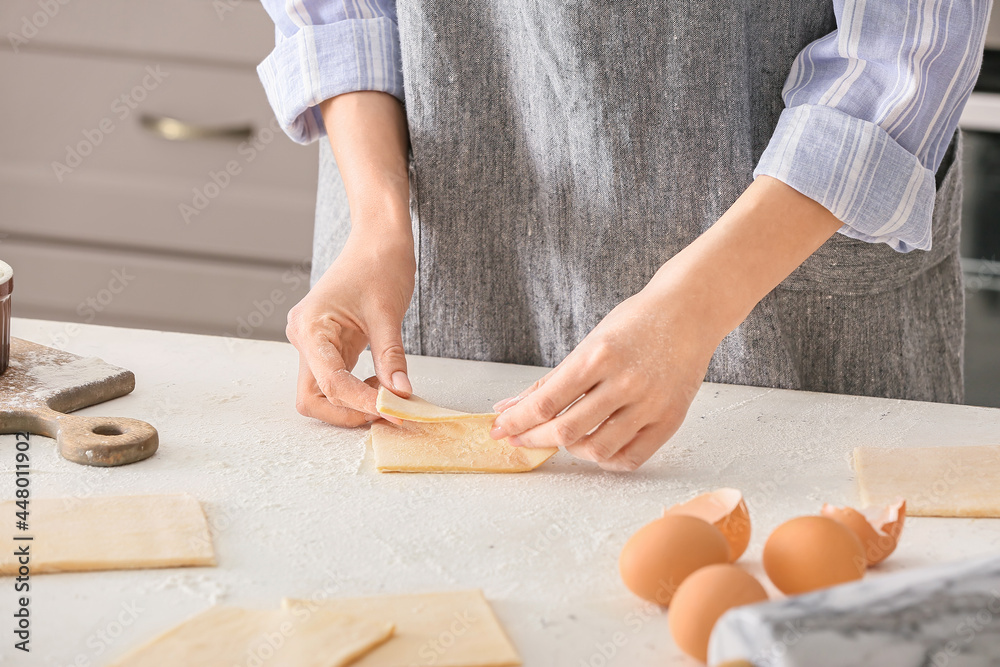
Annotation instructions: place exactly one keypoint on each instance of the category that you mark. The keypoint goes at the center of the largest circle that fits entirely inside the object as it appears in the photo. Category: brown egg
(703, 598)
(724, 509)
(812, 552)
(661, 554)
(878, 528)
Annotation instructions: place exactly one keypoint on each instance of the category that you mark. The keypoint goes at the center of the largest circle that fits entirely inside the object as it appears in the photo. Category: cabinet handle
(173, 129)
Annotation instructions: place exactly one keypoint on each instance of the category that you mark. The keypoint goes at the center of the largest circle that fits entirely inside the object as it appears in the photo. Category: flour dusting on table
(292, 515)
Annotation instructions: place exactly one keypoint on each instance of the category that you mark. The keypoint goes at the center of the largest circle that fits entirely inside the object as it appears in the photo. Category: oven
(980, 125)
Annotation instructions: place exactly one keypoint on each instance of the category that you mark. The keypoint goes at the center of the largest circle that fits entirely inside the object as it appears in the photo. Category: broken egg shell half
(664, 552)
(812, 552)
(703, 598)
(726, 510)
(878, 528)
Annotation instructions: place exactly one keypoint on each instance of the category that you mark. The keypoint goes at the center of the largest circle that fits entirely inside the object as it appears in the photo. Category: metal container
(6, 287)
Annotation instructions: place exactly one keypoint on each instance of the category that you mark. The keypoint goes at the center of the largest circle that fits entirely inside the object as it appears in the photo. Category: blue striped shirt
(869, 109)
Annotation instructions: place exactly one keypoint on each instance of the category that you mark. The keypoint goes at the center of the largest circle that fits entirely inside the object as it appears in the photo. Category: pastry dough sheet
(962, 481)
(434, 439)
(416, 409)
(455, 629)
(111, 533)
(459, 446)
(224, 636)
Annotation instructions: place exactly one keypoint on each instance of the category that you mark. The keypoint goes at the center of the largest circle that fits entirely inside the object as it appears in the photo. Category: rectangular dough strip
(958, 481)
(224, 636)
(435, 439)
(110, 533)
(416, 409)
(449, 629)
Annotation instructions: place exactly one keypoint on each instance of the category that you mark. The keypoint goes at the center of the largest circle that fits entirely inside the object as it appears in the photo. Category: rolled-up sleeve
(325, 48)
(871, 108)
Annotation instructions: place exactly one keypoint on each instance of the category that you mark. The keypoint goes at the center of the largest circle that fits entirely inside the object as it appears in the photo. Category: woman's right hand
(362, 297)
(360, 300)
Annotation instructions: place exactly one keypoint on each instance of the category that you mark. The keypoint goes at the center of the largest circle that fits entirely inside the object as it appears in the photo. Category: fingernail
(401, 382)
(498, 432)
(392, 420)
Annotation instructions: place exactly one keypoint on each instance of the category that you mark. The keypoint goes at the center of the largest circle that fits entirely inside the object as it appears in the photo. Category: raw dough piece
(935, 481)
(224, 636)
(456, 629)
(416, 409)
(434, 439)
(462, 445)
(110, 533)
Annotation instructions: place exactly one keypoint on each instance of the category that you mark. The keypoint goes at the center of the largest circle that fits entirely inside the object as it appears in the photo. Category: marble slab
(942, 616)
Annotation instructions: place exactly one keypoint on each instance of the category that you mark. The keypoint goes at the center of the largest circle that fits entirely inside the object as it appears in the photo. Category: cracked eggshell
(878, 528)
(726, 510)
(664, 552)
(813, 552)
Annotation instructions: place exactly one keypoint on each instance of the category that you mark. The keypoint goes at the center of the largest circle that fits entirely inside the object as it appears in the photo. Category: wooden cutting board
(42, 384)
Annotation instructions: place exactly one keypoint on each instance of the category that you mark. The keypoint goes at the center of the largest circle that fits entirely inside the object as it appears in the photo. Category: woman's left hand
(625, 389)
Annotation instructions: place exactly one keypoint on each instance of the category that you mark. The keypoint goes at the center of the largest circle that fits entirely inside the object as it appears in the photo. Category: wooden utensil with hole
(42, 384)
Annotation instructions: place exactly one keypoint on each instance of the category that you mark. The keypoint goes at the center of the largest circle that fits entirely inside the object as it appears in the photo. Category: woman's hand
(626, 388)
(361, 299)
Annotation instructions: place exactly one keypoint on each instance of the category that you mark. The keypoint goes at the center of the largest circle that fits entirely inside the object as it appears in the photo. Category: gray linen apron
(563, 151)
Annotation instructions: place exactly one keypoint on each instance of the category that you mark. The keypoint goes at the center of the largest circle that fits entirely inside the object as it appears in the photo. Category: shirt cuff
(878, 189)
(321, 61)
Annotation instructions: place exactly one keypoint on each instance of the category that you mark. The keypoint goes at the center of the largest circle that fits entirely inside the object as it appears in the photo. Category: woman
(646, 194)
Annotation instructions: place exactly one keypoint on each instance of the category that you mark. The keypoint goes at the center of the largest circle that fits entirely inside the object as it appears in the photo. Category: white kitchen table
(297, 509)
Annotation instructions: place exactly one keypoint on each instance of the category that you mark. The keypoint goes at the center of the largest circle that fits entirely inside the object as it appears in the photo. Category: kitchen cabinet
(137, 138)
